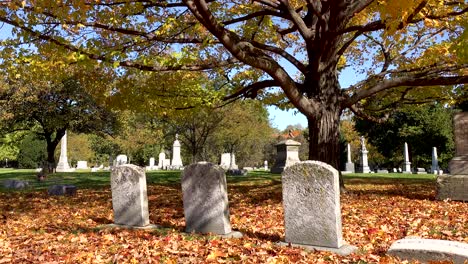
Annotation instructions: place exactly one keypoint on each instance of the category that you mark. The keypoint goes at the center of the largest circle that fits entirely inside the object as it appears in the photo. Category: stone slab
(427, 250)
(69, 190)
(129, 197)
(15, 184)
(311, 200)
(453, 187)
(344, 250)
(204, 195)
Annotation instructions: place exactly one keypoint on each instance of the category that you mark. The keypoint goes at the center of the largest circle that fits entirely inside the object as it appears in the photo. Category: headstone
(161, 158)
(236, 172)
(429, 250)
(395, 170)
(312, 213)
(455, 185)
(62, 165)
(121, 160)
(363, 161)
(82, 164)
(94, 169)
(435, 162)
(228, 161)
(420, 171)
(204, 193)
(287, 154)
(248, 168)
(399, 170)
(265, 165)
(15, 184)
(151, 162)
(167, 163)
(152, 165)
(406, 162)
(349, 166)
(129, 197)
(69, 190)
(382, 171)
(176, 162)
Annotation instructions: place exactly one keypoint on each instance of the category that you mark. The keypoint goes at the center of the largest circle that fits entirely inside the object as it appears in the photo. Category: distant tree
(52, 108)
(422, 127)
(32, 152)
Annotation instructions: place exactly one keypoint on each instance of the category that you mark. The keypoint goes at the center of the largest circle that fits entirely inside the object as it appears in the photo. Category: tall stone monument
(204, 195)
(363, 161)
(129, 197)
(455, 185)
(228, 161)
(435, 162)
(176, 162)
(312, 212)
(349, 166)
(287, 154)
(406, 162)
(62, 165)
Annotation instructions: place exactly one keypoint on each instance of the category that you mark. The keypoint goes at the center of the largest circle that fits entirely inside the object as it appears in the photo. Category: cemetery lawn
(376, 210)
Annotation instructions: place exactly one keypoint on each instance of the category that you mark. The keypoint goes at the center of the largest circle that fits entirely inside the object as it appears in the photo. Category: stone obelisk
(176, 162)
(363, 162)
(63, 165)
(406, 163)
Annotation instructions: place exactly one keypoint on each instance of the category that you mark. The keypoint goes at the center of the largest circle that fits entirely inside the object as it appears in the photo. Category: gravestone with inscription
(312, 213)
(129, 197)
(287, 154)
(205, 199)
(363, 161)
(455, 185)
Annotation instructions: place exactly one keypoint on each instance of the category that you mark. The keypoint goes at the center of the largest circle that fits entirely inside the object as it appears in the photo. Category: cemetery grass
(376, 210)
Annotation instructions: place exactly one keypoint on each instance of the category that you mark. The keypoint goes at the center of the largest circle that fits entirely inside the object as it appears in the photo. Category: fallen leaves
(39, 228)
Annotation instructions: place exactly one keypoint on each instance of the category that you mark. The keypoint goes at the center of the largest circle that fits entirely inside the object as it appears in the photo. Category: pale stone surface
(349, 166)
(161, 159)
(228, 161)
(363, 161)
(453, 187)
(311, 200)
(151, 162)
(265, 165)
(287, 155)
(205, 200)
(176, 162)
(129, 197)
(62, 165)
(427, 250)
(121, 159)
(435, 162)
(406, 162)
(82, 164)
(62, 190)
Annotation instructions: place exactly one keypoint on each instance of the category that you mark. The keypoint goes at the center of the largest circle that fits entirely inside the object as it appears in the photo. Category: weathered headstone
(406, 162)
(312, 213)
(129, 197)
(287, 154)
(205, 200)
(62, 165)
(265, 165)
(429, 250)
(69, 190)
(349, 166)
(121, 160)
(363, 161)
(420, 171)
(455, 185)
(82, 164)
(176, 162)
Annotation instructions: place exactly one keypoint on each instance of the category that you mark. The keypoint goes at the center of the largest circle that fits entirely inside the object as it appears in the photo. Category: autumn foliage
(37, 228)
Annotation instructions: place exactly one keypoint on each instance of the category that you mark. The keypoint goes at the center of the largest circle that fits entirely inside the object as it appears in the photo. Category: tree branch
(250, 91)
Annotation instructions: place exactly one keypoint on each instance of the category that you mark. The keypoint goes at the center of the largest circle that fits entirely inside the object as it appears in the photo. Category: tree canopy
(406, 51)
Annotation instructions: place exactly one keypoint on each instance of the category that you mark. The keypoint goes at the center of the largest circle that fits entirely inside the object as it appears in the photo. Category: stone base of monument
(147, 227)
(429, 250)
(343, 250)
(453, 187)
